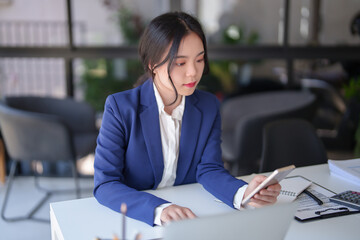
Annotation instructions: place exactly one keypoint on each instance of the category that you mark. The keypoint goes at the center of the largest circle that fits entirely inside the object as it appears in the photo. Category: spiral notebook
(291, 187)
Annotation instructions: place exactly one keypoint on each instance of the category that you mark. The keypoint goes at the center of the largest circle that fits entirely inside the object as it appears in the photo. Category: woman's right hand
(176, 213)
(266, 196)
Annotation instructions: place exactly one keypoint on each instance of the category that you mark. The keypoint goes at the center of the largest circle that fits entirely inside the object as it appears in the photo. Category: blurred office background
(87, 49)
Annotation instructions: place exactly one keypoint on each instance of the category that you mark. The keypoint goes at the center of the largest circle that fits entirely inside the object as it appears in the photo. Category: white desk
(87, 219)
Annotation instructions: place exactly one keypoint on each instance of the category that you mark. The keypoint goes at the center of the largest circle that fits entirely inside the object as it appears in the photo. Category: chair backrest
(244, 118)
(79, 116)
(338, 115)
(290, 141)
(34, 136)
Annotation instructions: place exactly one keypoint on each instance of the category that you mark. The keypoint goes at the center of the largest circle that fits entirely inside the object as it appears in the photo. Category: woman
(165, 132)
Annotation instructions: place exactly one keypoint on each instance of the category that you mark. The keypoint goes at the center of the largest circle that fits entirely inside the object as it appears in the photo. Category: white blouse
(170, 130)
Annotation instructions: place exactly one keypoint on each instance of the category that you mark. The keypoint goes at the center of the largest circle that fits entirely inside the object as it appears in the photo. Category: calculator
(347, 198)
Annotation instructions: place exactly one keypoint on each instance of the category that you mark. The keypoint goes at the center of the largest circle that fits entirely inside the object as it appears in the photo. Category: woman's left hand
(266, 196)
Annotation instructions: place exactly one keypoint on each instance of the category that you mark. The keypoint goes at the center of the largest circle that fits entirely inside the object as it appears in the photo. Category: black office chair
(290, 141)
(243, 120)
(336, 120)
(79, 117)
(48, 130)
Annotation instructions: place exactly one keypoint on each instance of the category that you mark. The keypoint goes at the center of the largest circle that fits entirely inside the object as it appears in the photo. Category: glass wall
(95, 79)
(113, 22)
(333, 21)
(249, 21)
(39, 23)
(32, 76)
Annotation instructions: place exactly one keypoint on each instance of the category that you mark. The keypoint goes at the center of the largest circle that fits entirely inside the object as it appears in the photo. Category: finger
(255, 182)
(174, 215)
(259, 178)
(274, 187)
(169, 215)
(181, 213)
(264, 198)
(165, 218)
(266, 192)
(259, 203)
(255, 204)
(189, 213)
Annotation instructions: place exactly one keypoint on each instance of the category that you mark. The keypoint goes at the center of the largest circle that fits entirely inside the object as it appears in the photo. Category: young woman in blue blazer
(165, 132)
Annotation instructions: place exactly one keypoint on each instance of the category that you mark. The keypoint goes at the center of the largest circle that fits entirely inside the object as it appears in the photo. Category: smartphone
(275, 177)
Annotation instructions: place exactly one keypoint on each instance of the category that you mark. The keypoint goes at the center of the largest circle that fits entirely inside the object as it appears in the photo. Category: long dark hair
(159, 34)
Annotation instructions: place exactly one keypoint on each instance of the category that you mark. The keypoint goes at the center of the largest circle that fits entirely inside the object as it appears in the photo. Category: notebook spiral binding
(288, 193)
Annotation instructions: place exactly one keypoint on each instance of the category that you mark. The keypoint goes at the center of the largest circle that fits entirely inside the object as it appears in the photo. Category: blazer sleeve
(109, 187)
(210, 171)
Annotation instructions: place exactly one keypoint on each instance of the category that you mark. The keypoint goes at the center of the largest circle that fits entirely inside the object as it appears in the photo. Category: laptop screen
(269, 222)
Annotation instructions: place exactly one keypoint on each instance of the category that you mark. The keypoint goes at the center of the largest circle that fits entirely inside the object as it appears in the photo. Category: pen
(123, 210)
(313, 197)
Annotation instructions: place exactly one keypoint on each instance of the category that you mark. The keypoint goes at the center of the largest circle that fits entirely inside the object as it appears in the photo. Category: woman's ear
(152, 70)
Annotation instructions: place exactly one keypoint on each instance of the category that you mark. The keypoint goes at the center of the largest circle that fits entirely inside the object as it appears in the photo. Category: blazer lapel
(189, 136)
(149, 117)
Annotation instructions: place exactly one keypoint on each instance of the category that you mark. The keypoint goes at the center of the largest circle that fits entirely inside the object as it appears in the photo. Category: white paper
(346, 169)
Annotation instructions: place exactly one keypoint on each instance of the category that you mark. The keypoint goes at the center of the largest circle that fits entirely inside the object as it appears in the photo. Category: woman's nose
(191, 70)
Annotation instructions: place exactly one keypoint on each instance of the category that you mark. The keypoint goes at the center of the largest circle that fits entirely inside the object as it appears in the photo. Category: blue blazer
(129, 155)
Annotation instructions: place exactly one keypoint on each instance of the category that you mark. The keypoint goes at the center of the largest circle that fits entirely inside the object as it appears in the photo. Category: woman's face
(187, 68)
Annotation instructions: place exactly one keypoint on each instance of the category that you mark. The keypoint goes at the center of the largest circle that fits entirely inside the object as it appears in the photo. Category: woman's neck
(168, 98)
(169, 108)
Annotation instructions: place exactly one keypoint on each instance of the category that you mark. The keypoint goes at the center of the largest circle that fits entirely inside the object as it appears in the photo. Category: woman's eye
(180, 64)
(200, 60)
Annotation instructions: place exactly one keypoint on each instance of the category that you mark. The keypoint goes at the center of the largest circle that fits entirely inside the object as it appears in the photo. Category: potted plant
(101, 76)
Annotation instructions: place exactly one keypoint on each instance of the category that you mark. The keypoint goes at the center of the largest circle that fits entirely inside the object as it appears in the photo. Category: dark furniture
(336, 119)
(290, 141)
(78, 117)
(2, 161)
(48, 130)
(243, 120)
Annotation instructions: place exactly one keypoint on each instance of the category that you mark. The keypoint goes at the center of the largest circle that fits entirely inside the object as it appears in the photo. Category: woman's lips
(190, 85)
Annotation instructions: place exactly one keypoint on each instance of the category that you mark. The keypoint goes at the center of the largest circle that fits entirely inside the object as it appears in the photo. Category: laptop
(271, 222)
